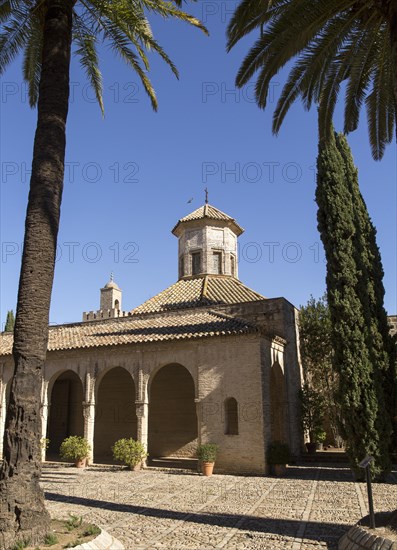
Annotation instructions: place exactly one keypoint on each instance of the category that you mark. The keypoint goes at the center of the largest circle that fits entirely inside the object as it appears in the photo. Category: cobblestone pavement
(310, 508)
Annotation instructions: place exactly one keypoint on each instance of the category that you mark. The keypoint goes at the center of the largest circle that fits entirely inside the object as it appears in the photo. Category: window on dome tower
(196, 263)
(217, 262)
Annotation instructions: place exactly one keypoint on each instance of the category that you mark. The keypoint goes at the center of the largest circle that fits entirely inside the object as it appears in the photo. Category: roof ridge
(204, 288)
(249, 288)
(230, 316)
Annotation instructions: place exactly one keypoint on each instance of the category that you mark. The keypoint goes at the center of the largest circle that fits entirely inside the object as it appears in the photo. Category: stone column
(142, 414)
(3, 409)
(199, 414)
(89, 414)
(44, 412)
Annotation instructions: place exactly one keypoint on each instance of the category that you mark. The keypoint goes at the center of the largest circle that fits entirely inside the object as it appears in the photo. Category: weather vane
(206, 195)
(111, 276)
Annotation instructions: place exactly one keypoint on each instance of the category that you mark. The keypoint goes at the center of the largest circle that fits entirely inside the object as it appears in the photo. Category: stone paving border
(309, 509)
(306, 515)
(104, 541)
(360, 538)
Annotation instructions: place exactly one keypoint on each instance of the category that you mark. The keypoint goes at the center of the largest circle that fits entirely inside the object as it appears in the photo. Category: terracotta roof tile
(212, 213)
(137, 330)
(198, 292)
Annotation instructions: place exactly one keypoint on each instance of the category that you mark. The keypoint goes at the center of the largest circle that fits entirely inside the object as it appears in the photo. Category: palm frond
(249, 15)
(14, 36)
(88, 57)
(123, 23)
(5, 10)
(378, 102)
(328, 41)
(309, 71)
(361, 71)
(328, 98)
(32, 58)
(121, 45)
(167, 10)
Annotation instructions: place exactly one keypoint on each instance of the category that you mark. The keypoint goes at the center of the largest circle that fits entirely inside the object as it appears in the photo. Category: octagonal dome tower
(207, 243)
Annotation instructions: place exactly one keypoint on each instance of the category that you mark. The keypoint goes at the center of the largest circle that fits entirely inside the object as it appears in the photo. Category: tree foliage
(330, 43)
(355, 298)
(315, 339)
(10, 321)
(121, 24)
(312, 411)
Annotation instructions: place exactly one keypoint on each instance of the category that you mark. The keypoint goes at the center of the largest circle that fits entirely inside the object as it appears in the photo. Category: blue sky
(129, 176)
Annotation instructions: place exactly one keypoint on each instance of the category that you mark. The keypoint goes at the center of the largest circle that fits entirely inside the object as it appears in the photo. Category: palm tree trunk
(22, 511)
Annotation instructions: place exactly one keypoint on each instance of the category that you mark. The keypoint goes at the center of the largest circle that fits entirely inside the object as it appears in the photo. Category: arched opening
(115, 413)
(277, 398)
(231, 416)
(66, 411)
(116, 304)
(172, 413)
(232, 265)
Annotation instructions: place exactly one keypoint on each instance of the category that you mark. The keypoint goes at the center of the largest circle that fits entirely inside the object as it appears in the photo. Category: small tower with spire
(110, 295)
(110, 303)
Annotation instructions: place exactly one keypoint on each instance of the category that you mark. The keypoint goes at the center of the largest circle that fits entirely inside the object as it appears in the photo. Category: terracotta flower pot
(136, 467)
(207, 468)
(279, 470)
(81, 463)
(311, 448)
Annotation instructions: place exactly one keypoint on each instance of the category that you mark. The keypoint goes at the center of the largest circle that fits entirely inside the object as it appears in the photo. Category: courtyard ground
(310, 508)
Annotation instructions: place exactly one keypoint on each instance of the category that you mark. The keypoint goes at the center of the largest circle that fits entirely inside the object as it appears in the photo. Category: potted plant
(312, 415)
(44, 443)
(76, 448)
(320, 436)
(206, 453)
(278, 456)
(130, 452)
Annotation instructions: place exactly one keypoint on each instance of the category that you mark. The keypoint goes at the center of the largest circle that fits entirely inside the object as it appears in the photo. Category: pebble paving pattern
(310, 508)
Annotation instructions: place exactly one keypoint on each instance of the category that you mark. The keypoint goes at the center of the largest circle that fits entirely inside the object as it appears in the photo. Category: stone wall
(393, 324)
(207, 239)
(220, 367)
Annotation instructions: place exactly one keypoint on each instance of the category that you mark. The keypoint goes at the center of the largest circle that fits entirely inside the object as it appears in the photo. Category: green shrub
(129, 451)
(73, 522)
(92, 530)
(20, 545)
(50, 539)
(278, 453)
(207, 452)
(320, 436)
(74, 447)
(77, 542)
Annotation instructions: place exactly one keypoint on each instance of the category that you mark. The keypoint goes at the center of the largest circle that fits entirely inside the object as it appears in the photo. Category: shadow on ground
(325, 532)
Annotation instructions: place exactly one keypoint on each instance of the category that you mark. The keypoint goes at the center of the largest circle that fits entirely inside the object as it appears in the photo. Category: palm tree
(44, 31)
(330, 42)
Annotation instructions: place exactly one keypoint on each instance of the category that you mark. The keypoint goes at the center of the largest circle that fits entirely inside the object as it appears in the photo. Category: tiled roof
(208, 211)
(199, 291)
(137, 330)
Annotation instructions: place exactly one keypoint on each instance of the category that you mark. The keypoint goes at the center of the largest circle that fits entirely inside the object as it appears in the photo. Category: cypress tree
(10, 321)
(344, 227)
(372, 292)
